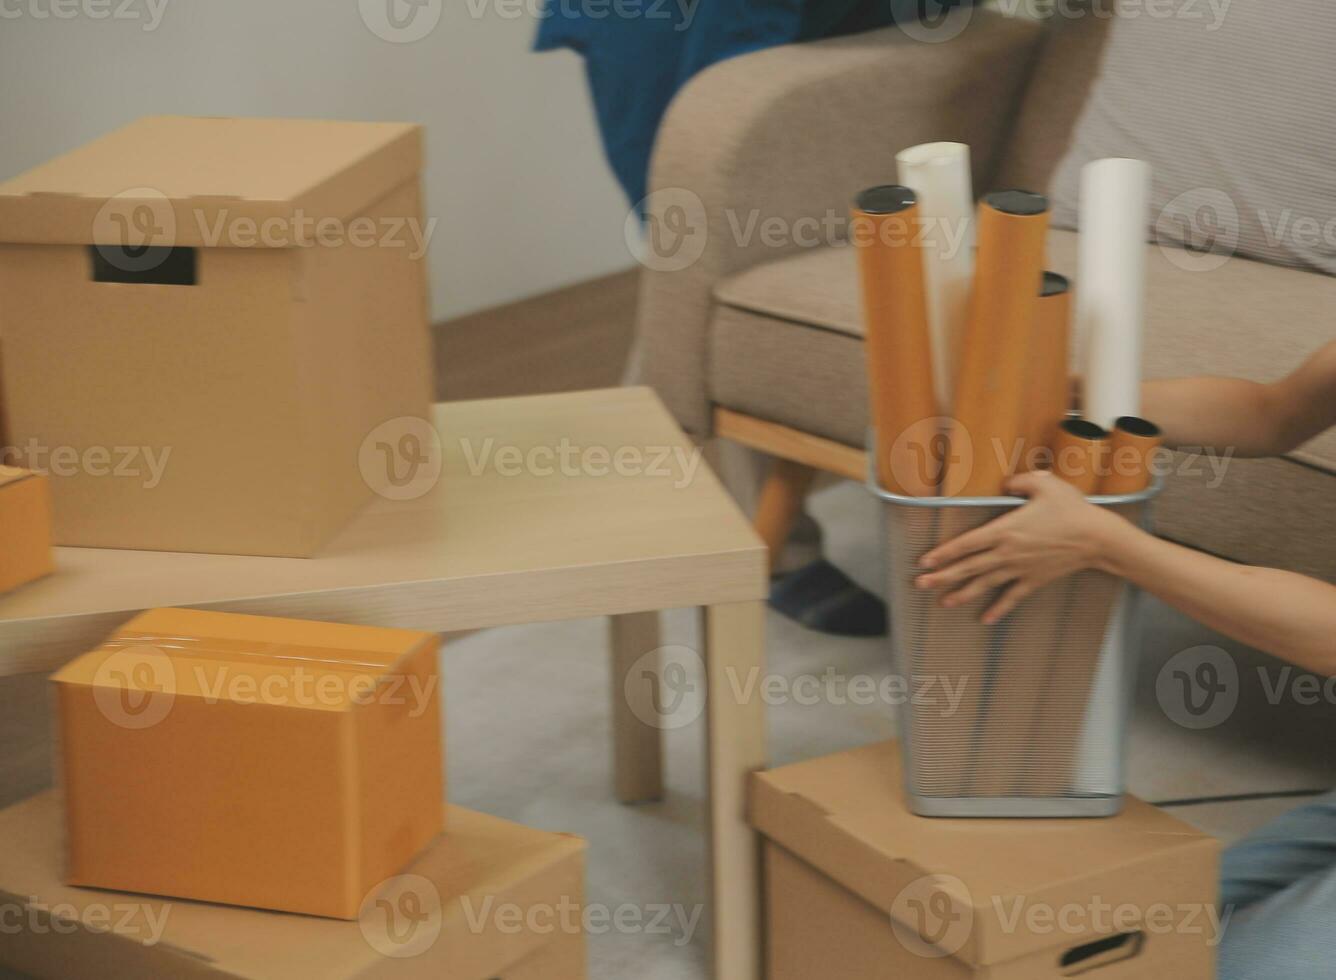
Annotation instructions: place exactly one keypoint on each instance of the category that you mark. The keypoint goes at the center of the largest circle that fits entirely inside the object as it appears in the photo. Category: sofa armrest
(756, 143)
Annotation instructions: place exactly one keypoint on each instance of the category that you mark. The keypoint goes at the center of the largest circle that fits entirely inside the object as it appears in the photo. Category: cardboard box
(454, 915)
(25, 527)
(276, 763)
(203, 321)
(858, 888)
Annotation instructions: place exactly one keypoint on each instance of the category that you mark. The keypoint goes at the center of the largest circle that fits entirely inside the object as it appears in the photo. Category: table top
(547, 507)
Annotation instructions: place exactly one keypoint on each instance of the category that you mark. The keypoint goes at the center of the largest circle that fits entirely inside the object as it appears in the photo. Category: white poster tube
(1111, 285)
(939, 175)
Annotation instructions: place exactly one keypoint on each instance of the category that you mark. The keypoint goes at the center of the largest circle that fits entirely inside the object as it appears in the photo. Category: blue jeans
(1281, 885)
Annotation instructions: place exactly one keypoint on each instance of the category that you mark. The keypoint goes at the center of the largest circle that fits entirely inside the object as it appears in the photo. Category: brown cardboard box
(25, 527)
(451, 914)
(858, 888)
(203, 321)
(275, 763)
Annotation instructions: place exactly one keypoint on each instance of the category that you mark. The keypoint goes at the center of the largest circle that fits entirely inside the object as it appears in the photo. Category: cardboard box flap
(197, 653)
(201, 181)
(845, 815)
(456, 893)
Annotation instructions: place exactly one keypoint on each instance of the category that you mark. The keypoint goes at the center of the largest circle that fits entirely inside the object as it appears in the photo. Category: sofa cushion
(1054, 95)
(1233, 111)
(786, 345)
(1243, 319)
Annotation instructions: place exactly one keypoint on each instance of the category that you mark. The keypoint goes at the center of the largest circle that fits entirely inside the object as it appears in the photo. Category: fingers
(1007, 601)
(1028, 484)
(979, 563)
(977, 588)
(969, 543)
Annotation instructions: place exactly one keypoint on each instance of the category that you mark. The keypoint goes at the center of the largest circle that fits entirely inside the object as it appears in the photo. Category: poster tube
(1049, 392)
(884, 232)
(1132, 450)
(990, 417)
(1080, 453)
(1111, 268)
(939, 176)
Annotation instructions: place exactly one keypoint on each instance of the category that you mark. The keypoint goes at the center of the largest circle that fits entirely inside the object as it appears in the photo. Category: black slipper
(823, 598)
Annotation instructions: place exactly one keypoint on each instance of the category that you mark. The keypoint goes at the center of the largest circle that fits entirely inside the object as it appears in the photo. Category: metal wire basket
(1026, 718)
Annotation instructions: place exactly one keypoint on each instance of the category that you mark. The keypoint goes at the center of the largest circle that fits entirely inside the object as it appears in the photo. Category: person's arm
(1250, 418)
(1058, 532)
(1283, 613)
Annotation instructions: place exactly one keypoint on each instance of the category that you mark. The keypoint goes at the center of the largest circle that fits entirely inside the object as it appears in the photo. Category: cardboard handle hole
(1101, 952)
(160, 265)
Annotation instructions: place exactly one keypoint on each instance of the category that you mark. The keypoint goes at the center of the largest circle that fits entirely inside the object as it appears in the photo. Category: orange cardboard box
(488, 900)
(207, 322)
(859, 888)
(25, 527)
(276, 763)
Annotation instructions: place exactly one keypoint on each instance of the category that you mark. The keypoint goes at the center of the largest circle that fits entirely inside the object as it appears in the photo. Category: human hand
(1055, 534)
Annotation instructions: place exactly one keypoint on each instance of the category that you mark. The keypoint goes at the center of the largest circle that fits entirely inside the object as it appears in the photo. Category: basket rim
(938, 503)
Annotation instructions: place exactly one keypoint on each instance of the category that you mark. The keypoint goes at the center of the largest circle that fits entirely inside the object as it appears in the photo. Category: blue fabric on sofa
(638, 53)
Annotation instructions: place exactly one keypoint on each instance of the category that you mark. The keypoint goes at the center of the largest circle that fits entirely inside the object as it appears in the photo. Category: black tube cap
(884, 199)
(1137, 427)
(1084, 429)
(1021, 203)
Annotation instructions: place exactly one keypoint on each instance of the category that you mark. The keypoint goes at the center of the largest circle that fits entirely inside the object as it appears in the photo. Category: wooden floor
(567, 340)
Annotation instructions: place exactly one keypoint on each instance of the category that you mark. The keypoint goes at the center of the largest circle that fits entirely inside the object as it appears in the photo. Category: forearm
(1249, 418)
(1213, 413)
(1281, 612)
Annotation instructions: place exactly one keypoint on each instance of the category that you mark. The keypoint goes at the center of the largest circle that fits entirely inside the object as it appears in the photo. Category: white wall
(514, 171)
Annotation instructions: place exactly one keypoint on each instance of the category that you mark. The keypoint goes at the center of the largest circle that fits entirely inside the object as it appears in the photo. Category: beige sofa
(760, 338)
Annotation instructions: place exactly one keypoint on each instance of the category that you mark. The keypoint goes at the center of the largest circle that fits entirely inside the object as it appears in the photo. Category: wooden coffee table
(547, 507)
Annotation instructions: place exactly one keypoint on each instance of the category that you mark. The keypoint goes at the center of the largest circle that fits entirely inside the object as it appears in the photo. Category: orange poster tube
(903, 406)
(1050, 384)
(991, 421)
(1080, 454)
(1132, 449)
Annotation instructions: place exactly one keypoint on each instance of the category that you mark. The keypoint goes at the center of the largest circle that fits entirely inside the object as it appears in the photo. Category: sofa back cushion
(1232, 104)
(1074, 36)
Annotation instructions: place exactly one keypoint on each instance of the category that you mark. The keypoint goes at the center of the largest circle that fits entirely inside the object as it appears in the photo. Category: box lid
(198, 181)
(453, 906)
(162, 654)
(845, 814)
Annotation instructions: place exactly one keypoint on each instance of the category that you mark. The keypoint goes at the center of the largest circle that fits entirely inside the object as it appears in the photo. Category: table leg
(780, 504)
(637, 749)
(735, 739)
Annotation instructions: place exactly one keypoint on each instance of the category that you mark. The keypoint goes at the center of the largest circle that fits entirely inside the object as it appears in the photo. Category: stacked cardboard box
(25, 527)
(207, 322)
(270, 764)
(858, 888)
(451, 913)
(256, 761)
